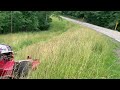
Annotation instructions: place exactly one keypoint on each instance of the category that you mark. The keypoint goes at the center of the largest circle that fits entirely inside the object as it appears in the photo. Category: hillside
(66, 51)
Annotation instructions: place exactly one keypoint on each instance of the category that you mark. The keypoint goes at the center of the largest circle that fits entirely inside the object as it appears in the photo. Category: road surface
(111, 33)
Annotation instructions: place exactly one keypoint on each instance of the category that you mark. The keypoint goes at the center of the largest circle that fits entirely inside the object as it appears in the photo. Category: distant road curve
(111, 33)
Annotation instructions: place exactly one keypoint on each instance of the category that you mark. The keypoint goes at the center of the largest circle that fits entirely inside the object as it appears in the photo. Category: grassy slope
(67, 50)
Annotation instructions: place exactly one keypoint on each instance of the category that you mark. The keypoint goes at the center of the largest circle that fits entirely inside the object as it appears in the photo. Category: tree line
(108, 19)
(23, 21)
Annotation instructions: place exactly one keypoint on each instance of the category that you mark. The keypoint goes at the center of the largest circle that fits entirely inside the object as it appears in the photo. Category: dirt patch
(118, 52)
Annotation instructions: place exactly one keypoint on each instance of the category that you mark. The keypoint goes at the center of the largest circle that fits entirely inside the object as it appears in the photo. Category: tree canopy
(17, 21)
(108, 19)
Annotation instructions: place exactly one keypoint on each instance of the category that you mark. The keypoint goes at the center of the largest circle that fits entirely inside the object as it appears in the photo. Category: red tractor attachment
(9, 68)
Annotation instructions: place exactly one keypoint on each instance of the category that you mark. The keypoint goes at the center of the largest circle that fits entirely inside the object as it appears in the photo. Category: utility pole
(11, 22)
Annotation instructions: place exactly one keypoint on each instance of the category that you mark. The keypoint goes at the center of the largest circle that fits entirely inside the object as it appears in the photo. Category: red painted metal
(6, 68)
(7, 65)
(35, 64)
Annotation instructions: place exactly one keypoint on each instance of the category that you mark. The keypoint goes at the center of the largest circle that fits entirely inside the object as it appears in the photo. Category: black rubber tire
(22, 69)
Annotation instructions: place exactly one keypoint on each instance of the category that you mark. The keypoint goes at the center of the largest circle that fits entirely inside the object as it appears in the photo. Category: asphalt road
(111, 33)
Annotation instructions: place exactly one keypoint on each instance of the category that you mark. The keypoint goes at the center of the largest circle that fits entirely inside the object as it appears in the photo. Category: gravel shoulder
(111, 33)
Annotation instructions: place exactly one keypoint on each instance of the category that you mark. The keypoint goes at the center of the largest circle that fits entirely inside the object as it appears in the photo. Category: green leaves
(24, 21)
(102, 18)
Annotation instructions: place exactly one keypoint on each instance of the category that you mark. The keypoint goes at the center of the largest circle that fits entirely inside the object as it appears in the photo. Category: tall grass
(67, 51)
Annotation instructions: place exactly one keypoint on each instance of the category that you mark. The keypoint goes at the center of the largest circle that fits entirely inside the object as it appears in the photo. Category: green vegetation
(24, 21)
(108, 19)
(66, 50)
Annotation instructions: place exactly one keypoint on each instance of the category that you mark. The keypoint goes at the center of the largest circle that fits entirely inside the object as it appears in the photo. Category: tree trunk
(116, 25)
(11, 22)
